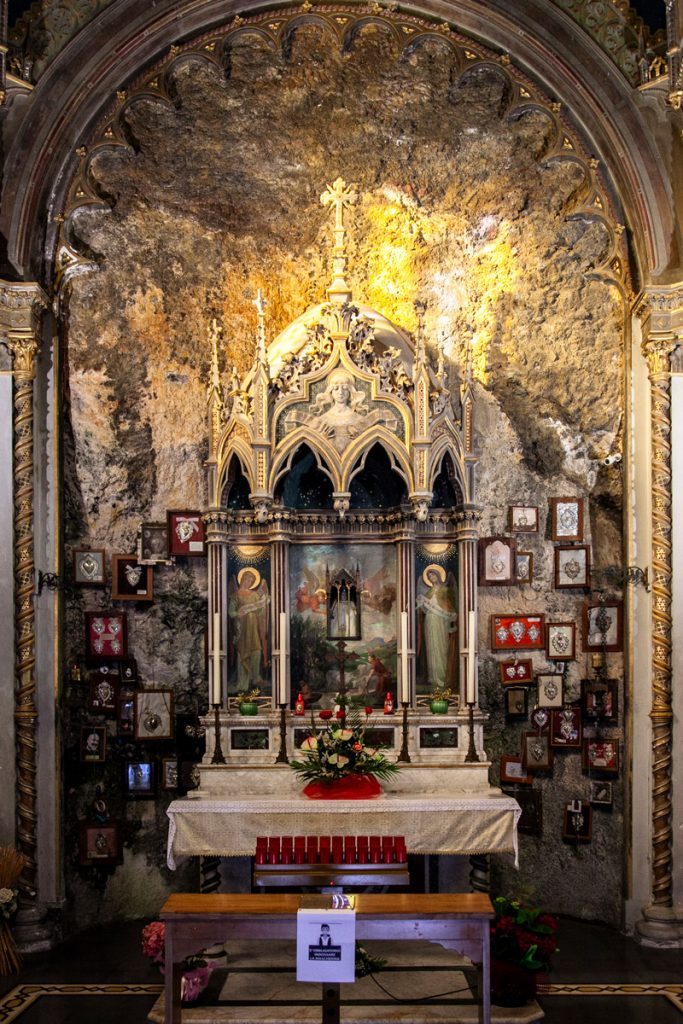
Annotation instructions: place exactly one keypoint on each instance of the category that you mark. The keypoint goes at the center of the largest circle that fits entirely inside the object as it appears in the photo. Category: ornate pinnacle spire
(420, 354)
(214, 335)
(260, 304)
(468, 354)
(340, 196)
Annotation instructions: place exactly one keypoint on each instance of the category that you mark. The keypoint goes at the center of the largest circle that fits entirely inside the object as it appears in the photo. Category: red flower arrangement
(523, 936)
(196, 971)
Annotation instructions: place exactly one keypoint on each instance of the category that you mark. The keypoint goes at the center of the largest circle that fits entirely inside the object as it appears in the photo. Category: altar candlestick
(471, 686)
(283, 658)
(405, 682)
(216, 674)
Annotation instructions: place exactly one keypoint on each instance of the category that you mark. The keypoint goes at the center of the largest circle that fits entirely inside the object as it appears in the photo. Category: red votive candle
(287, 856)
(375, 855)
(362, 842)
(362, 855)
(260, 856)
(287, 842)
(388, 855)
(299, 856)
(299, 842)
(375, 842)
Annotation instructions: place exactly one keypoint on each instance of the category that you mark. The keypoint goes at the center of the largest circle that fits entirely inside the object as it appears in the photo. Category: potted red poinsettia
(196, 971)
(523, 939)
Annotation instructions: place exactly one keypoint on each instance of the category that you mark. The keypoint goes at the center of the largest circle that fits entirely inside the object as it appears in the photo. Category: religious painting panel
(368, 658)
(437, 629)
(249, 640)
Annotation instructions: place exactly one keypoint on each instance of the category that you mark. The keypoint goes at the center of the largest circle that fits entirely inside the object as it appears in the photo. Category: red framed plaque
(106, 635)
(517, 632)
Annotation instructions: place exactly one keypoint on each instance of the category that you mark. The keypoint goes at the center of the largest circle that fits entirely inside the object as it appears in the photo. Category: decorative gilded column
(21, 305)
(279, 568)
(661, 313)
(468, 532)
(406, 602)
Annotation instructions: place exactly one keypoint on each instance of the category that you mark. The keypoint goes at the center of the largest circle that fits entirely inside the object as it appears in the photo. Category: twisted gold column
(658, 355)
(20, 306)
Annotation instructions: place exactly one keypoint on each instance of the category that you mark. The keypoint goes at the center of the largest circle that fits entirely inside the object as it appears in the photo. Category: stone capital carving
(21, 306)
(660, 311)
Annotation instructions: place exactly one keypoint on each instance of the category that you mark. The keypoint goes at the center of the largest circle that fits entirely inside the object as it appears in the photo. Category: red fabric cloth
(350, 787)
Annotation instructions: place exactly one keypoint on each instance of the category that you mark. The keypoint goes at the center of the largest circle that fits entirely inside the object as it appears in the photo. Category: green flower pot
(248, 707)
(439, 707)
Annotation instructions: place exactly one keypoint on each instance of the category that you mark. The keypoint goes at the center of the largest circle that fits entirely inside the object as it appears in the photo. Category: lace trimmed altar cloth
(466, 824)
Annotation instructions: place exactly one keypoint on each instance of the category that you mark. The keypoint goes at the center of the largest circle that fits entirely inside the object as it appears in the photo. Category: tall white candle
(471, 659)
(216, 687)
(282, 691)
(405, 682)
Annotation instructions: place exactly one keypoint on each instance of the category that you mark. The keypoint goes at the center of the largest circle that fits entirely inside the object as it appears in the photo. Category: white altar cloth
(437, 823)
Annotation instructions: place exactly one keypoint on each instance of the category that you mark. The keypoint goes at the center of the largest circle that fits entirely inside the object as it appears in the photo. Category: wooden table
(196, 921)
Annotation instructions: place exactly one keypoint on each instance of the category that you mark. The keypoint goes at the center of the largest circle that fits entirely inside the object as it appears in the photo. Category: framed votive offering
(523, 518)
(516, 702)
(524, 568)
(100, 845)
(105, 635)
(578, 822)
(89, 567)
(601, 793)
(104, 692)
(170, 779)
(126, 716)
(128, 670)
(550, 689)
(540, 718)
(512, 770)
(560, 641)
(516, 671)
(497, 561)
(566, 519)
(93, 743)
(153, 714)
(599, 699)
(131, 581)
(602, 626)
(139, 781)
(572, 567)
(537, 754)
(153, 544)
(601, 755)
(565, 728)
(517, 632)
(185, 533)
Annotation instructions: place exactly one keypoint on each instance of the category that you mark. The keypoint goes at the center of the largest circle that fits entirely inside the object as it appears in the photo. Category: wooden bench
(196, 921)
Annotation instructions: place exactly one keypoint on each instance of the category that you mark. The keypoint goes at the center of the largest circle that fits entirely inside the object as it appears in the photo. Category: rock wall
(216, 196)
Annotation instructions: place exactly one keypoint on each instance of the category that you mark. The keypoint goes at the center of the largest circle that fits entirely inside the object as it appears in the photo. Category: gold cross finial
(340, 196)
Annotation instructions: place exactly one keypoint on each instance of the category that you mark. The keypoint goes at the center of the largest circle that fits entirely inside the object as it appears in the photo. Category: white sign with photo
(326, 945)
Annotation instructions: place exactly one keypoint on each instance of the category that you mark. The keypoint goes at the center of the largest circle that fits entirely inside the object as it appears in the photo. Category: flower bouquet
(196, 971)
(12, 864)
(523, 940)
(337, 764)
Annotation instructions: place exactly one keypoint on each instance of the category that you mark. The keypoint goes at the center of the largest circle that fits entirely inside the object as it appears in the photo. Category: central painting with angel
(371, 664)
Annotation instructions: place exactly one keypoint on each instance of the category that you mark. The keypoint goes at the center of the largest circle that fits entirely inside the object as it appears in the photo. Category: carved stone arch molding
(45, 152)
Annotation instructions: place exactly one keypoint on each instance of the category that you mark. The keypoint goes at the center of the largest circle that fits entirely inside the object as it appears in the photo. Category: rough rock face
(218, 196)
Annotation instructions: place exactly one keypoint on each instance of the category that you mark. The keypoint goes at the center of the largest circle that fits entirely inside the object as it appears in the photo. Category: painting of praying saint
(437, 627)
(248, 615)
(366, 624)
(340, 412)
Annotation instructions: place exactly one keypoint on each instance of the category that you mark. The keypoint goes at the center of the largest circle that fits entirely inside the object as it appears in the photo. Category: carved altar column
(406, 602)
(468, 531)
(661, 314)
(217, 552)
(21, 306)
(279, 562)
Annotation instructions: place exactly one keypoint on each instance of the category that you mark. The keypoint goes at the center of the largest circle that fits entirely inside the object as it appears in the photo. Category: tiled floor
(56, 988)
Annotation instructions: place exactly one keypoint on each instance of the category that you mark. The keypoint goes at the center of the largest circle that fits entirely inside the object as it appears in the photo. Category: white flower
(6, 895)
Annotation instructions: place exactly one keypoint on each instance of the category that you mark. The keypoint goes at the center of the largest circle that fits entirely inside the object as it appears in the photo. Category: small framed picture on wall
(169, 773)
(560, 641)
(100, 844)
(550, 689)
(565, 728)
(105, 635)
(602, 793)
(104, 693)
(185, 534)
(524, 568)
(89, 567)
(512, 770)
(138, 780)
(572, 567)
(131, 581)
(566, 519)
(517, 632)
(601, 755)
(516, 702)
(154, 715)
(153, 544)
(523, 518)
(497, 561)
(93, 743)
(516, 671)
(537, 754)
(578, 822)
(602, 626)
(599, 698)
